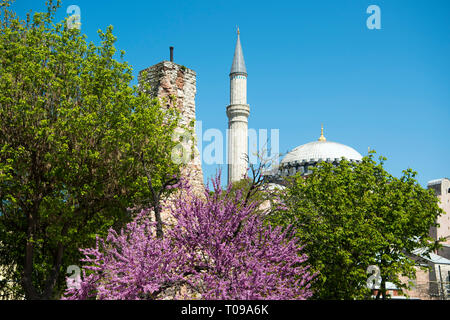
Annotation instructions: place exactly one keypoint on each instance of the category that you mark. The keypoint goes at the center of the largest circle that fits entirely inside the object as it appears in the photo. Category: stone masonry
(175, 86)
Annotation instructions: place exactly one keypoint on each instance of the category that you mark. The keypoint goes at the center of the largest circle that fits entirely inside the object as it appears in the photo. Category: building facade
(441, 188)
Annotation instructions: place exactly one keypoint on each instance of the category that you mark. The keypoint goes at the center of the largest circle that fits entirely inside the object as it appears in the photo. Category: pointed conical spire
(238, 60)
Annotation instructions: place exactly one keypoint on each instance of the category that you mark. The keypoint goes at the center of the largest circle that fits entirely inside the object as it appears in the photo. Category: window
(447, 283)
(436, 188)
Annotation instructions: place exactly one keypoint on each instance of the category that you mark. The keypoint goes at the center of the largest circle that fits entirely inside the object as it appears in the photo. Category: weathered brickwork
(176, 86)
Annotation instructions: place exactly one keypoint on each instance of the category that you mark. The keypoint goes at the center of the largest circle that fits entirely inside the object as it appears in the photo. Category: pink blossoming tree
(219, 248)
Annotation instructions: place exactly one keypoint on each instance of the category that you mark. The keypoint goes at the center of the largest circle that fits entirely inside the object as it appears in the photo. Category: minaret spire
(238, 65)
(238, 112)
(322, 138)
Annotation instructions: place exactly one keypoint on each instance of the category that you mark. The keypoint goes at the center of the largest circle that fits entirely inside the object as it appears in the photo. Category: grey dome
(321, 150)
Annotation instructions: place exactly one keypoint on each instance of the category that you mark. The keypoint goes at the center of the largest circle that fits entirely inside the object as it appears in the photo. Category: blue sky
(308, 62)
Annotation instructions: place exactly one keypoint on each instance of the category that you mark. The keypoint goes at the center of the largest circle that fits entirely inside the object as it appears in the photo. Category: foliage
(78, 145)
(246, 187)
(218, 249)
(351, 216)
(253, 186)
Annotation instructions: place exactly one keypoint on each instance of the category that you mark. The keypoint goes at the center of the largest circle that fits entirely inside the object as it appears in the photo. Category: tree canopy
(354, 215)
(218, 249)
(78, 146)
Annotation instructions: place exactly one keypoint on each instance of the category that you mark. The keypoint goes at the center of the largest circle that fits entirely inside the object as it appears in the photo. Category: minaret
(238, 112)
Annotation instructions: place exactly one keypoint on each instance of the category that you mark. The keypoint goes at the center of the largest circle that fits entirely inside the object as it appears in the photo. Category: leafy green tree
(354, 215)
(78, 146)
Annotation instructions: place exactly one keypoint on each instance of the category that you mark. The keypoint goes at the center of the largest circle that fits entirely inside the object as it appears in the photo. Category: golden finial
(322, 138)
(238, 32)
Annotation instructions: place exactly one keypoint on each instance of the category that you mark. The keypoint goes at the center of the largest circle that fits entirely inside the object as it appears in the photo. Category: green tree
(78, 146)
(354, 215)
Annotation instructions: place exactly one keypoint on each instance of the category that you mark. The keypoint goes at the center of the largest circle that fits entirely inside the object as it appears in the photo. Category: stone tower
(238, 112)
(167, 80)
(441, 188)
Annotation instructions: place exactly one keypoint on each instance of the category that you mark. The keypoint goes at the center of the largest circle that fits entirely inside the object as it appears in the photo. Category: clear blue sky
(309, 62)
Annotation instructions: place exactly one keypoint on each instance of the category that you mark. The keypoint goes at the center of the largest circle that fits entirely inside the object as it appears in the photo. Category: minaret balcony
(238, 112)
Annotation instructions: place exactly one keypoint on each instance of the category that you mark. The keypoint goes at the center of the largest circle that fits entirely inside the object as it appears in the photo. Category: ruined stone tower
(167, 80)
(238, 112)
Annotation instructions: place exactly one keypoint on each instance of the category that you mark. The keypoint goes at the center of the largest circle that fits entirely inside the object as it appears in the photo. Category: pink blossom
(218, 249)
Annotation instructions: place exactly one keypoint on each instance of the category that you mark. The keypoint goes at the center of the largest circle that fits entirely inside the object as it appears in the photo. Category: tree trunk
(383, 289)
(30, 291)
(159, 225)
(54, 274)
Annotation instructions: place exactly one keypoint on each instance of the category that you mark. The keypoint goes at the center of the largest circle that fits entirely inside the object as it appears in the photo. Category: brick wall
(169, 80)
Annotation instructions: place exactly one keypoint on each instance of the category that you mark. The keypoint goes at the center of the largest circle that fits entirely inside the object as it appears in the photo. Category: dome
(321, 150)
